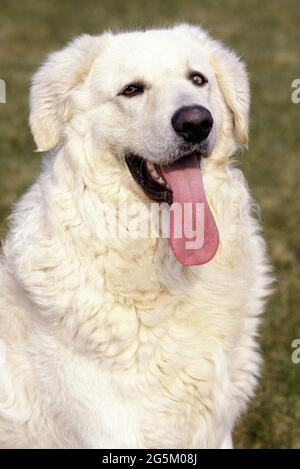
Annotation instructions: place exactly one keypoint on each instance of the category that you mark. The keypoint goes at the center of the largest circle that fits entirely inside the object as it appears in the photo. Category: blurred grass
(267, 36)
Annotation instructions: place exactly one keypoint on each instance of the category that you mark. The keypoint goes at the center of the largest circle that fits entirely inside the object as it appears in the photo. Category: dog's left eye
(132, 90)
(197, 78)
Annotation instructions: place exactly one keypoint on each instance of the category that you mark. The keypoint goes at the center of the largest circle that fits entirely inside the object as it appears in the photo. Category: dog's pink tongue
(194, 236)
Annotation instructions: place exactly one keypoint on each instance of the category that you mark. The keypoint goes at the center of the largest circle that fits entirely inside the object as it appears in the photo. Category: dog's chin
(149, 176)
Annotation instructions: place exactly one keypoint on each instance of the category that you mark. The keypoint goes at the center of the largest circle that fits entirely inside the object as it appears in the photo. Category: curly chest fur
(178, 355)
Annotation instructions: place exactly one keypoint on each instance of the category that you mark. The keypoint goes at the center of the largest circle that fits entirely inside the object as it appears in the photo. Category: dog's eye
(132, 90)
(197, 78)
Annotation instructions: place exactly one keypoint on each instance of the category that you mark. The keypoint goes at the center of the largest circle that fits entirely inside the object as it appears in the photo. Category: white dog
(121, 341)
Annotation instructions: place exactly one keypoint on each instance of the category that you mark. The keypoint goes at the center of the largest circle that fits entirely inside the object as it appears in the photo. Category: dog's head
(159, 99)
(154, 93)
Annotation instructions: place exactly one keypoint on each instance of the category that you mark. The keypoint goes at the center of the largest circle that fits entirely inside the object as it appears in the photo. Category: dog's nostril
(193, 123)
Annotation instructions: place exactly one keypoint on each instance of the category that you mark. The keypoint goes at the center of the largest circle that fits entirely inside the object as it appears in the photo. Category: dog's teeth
(154, 174)
(150, 166)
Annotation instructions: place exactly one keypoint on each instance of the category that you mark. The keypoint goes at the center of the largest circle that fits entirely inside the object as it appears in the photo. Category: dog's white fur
(111, 342)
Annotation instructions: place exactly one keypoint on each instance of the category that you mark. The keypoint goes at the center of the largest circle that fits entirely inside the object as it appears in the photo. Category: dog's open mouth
(150, 177)
(193, 236)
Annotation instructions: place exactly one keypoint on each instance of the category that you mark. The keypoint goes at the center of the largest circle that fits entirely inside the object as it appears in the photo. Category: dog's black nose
(193, 123)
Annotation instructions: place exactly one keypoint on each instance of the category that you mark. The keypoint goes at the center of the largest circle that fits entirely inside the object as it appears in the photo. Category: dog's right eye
(132, 90)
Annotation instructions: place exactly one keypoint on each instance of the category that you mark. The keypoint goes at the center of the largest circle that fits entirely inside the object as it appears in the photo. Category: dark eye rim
(203, 77)
(138, 88)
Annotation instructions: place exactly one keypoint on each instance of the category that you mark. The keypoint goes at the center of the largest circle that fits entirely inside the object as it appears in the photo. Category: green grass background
(267, 35)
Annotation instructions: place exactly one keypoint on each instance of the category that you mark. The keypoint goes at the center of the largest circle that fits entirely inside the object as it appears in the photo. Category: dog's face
(154, 95)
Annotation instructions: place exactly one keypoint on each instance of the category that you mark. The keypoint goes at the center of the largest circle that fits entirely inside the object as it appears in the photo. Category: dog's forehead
(152, 53)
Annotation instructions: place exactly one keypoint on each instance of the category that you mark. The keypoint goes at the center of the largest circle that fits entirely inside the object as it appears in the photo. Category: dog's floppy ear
(232, 79)
(233, 82)
(52, 86)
